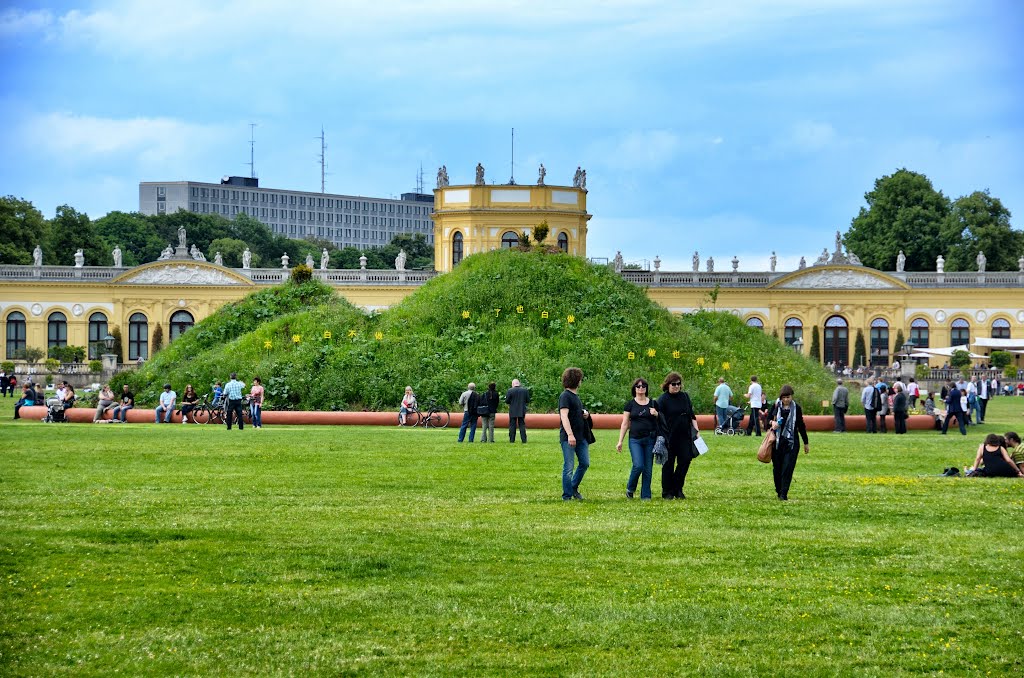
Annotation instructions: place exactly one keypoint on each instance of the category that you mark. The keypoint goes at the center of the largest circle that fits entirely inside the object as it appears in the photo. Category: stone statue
(981, 261)
(901, 262)
(37, 256)
(803, 263)
(218, 259)
(167, 253)
(479, 174)
(853, 258)
(325, 259)
(79, 259)
(181, 237)
(773, 261)
(657, 263)
(839, 244)
(246, 258)
(823, 259)
(400, 260)
(940, 264)
(711, 264)
(196, 254)
(696, 261)
(735, 263)
(442, 176)
(541, 173)
(617, 262)
(309, 261)
(284, 261)
(1020, 264)
(117, 256)
(576, 177)
(583, 180)
(362, 262)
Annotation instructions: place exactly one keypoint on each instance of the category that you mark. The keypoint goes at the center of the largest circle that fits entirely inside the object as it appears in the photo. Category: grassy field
(341, 551)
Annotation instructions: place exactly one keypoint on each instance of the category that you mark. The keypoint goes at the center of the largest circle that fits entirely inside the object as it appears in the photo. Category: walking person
(899, 409)
(680, 428)
(488, 400)
(755, 396)
(955, 409)
(4, 383)
(840, 403)
(572, 434)
(469, 401)
(517, 398)
(913, 393)
(233, 398)
(787, 419)
(983, 395)
(640, 419)
(256, 393)
(869, 398)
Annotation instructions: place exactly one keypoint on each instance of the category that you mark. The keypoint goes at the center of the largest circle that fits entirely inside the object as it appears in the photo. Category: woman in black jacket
(489, 399)
(680, 428)
(787, 420)
(899, 408)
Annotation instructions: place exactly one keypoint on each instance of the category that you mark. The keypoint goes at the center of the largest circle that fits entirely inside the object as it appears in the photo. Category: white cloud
(16, 22)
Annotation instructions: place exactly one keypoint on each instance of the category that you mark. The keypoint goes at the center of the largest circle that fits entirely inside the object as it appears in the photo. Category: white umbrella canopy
(946, 352)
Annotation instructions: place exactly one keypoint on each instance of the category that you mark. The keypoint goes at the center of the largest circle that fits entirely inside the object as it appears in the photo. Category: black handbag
(483, 411)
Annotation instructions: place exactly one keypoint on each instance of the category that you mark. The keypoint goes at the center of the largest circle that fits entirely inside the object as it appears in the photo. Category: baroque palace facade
(43, 306)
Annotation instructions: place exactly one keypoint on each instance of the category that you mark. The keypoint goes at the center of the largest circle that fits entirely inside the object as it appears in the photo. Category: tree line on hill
(142, 237)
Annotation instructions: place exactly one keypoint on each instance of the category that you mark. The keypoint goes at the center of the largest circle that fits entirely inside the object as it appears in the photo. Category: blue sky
(731, 128)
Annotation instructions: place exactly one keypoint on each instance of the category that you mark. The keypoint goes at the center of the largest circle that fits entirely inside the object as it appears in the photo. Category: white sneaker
(184, 419)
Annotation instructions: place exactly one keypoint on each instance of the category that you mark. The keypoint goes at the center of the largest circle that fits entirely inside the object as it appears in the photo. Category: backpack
(876, 399)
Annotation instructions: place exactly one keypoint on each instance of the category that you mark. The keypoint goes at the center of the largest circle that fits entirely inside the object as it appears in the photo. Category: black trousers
(754, 421)
(881, 423)
(673, 473)
(234, 407)
(900, 421)
(983, 404)
(839, 414)
(961, 419)
(783, 465)
(513, 423)
(869, 421)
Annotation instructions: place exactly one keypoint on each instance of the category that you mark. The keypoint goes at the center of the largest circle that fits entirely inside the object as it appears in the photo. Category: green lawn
(337, 551)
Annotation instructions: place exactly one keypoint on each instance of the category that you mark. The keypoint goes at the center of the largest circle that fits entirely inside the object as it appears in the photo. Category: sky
(728, 128)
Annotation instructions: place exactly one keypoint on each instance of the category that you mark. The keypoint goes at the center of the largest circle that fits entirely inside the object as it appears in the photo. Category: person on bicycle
(408, 405)
(218, 394)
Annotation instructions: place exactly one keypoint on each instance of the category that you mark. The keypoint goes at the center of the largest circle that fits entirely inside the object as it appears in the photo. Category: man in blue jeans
(723, 394)
(166, 406)
(469, 400)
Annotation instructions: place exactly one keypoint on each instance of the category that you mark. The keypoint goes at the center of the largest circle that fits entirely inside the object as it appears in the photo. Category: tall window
(56, 330)
(794, 331)
(960, 333)
(181, 322)
(563, 241)
(97, 330)
(919, 333)
(1001, 329)
(879, 342)
(138, 337)
(837, 340)
(756, 323)
(509, 239)
(456, 248)
(15, 333)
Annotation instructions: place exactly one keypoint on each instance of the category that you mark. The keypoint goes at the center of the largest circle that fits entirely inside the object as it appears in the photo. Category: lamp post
(109, 358)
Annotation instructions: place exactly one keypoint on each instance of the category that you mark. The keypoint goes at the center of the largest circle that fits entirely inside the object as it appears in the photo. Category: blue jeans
(256, 412)
(121, 412)
(571, 481)
(722, 416)
(641, 450)
(468, 421)
(168, 413)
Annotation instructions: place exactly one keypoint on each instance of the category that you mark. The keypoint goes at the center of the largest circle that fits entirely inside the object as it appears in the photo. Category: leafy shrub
(95, 365)
(7, 366)
(158, 338)
(1000, 359)
(922, 371)
(301, 274)
(52, 364)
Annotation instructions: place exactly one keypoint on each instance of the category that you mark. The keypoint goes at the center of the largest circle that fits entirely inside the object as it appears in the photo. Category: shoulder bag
(764, 453)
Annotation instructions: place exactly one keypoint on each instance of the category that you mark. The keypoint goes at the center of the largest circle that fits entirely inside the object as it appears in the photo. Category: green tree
(22, 227)
(540, 233)
(899, 341)
(134, 233)
(815, 354)
(158, 338)
(904, 212)
(70, 231)
(231, 249)
(1000, 359)
(979, 222)
(115, 332)
(858, 349)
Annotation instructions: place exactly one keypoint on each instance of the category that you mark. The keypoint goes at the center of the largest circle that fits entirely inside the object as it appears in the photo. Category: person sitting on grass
(1015, 447)
(993, 461)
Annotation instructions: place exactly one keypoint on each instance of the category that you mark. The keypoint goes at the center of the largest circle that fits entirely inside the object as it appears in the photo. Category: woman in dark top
(899, 408)
(788, 423)
(679, 428)
(572, 434)
(490, 399)
(640, 418)
(188, 403)
(993, 461)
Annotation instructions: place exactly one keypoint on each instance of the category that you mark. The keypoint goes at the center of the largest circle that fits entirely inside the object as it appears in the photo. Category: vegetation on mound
(498, 316)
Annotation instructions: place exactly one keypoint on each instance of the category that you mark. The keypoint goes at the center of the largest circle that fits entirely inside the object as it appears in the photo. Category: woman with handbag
(640, 418)
(787, 421)
(679, 426)
(488, 409)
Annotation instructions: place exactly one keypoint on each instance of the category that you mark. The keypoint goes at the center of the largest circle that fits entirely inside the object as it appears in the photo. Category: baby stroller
(55, 413)
(733, 423)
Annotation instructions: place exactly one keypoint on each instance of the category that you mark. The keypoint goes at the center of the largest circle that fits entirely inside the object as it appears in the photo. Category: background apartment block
(344, 220)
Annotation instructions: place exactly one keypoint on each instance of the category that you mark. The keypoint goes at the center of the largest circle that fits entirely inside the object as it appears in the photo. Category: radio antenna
(512, 178)
(252, 150)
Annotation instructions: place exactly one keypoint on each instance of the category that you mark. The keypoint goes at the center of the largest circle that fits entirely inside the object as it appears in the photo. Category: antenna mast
(512, 178)
(323, 161)
(419, 180)
(252, 150)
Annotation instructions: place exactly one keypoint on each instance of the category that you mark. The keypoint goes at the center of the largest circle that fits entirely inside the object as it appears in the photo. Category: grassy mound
(498, 316)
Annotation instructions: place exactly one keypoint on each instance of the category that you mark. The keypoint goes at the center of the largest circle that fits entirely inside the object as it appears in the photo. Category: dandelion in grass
(465, 315)
(651, 353)
(570, 319)
(296, 338)
(378, 336)
(700, 360)
(725, 365)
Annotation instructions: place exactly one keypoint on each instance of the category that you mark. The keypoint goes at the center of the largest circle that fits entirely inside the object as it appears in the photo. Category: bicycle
(435, 416)
(205, 412)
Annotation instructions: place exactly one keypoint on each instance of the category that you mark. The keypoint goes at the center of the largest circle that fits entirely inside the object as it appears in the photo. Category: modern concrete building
(345, 220)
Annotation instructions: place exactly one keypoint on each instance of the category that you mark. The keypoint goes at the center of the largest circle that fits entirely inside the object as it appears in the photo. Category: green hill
(498, 316)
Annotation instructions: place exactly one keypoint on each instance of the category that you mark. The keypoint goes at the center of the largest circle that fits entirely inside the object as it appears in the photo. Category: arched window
(756, 323)
(456, 248)
(794, 331)
(181, 322)
(959, 333)
(837, 340)
(97, 330)
(919, 333)
(56, 330)
(563, 241)
(1001, 329)
(138, 337)
(509, 239)
(879, 342)
(15, 334)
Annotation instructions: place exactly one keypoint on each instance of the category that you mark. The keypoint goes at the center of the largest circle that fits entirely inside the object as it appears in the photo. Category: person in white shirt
(754, 395)
(913, 392)
(166, 406)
